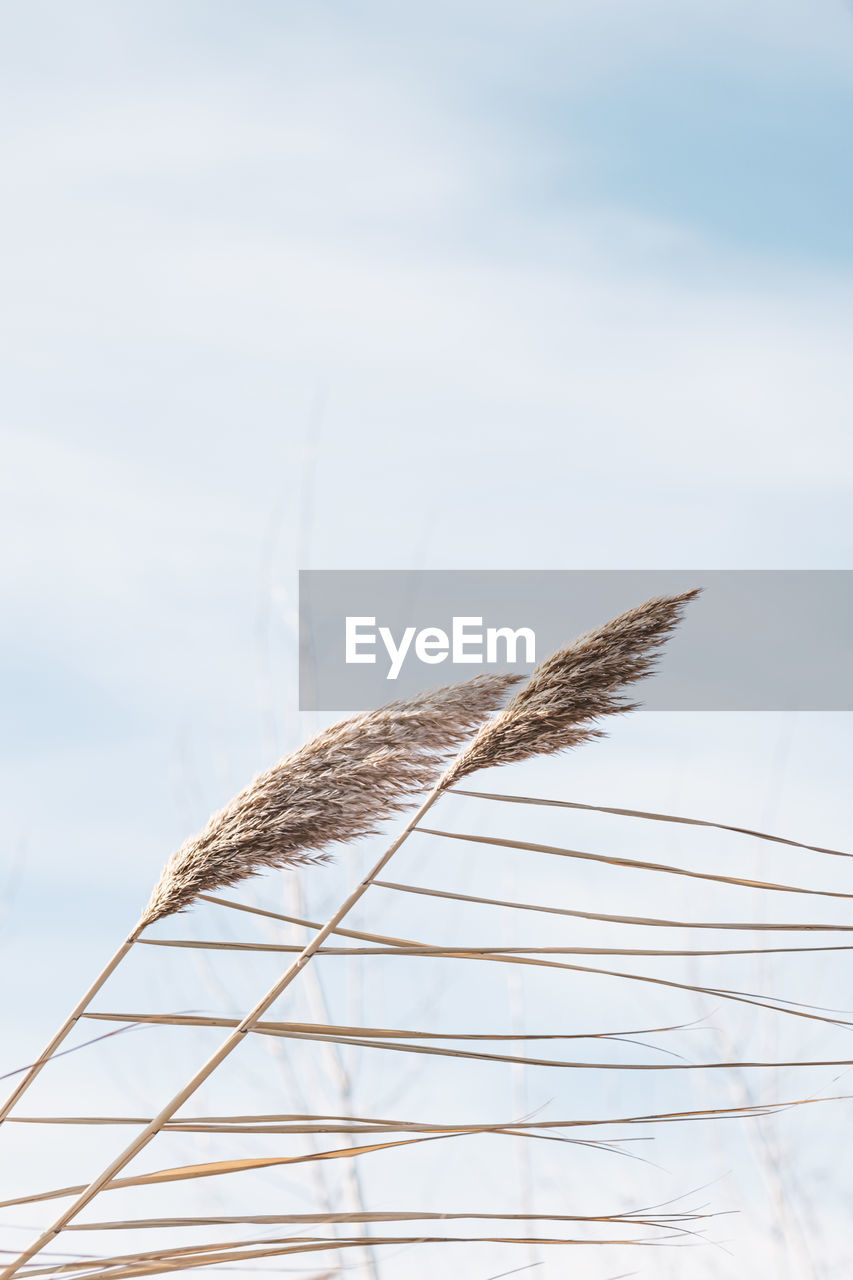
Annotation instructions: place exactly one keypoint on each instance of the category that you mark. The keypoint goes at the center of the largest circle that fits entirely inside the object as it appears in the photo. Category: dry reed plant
(279, 821)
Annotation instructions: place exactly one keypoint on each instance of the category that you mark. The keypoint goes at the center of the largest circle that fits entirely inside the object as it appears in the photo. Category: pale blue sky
(383, 286)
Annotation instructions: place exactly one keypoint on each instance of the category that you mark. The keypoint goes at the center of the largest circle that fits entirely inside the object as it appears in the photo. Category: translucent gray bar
(775, 640)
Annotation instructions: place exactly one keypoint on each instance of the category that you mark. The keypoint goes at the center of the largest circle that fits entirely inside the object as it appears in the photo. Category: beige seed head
(569, 693)
(337, 787)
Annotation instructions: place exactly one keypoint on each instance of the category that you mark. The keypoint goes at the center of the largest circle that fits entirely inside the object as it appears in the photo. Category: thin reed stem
(68, 1025)
(227, 1047)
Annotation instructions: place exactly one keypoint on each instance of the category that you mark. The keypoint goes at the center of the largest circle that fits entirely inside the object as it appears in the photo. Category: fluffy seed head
(571, 691)
(337, 787)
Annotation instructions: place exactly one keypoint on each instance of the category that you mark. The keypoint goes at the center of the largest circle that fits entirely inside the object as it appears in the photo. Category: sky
(376, 286)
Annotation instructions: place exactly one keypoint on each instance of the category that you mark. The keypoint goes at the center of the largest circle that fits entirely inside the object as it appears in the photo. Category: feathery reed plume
(571, 691)
(336, 788)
